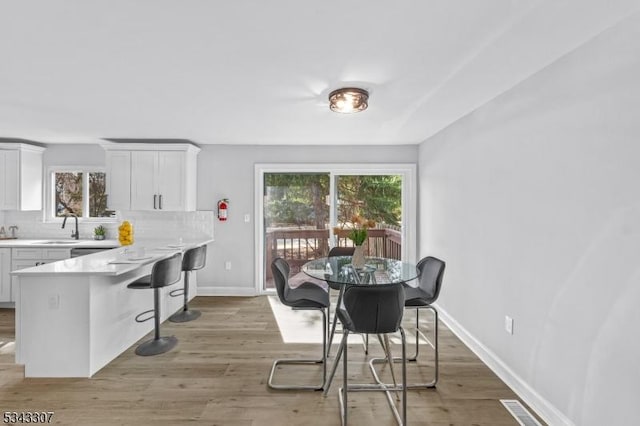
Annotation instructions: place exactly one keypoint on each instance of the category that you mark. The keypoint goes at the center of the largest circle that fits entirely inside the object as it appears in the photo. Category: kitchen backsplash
(147, 225)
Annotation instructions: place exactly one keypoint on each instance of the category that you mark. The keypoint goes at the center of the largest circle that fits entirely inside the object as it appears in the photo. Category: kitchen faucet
(75, 234)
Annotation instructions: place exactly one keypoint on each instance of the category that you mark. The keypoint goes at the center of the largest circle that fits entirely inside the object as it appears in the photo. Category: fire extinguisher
(223, 206)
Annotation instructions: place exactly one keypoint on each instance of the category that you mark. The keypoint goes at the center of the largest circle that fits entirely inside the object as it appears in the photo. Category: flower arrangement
(359, 232)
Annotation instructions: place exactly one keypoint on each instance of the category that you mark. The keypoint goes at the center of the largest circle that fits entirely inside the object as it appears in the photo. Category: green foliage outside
(300, 199)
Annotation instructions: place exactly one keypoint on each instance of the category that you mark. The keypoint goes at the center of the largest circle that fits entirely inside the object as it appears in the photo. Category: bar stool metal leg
(157, 345)
(322, 360)
(185, 314)
(414, 357)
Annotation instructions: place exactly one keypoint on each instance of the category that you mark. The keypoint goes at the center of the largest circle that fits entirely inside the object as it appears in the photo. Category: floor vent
(520, 413)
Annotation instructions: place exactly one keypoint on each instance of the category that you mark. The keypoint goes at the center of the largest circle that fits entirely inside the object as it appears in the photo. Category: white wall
(226, 171)
(533, 201)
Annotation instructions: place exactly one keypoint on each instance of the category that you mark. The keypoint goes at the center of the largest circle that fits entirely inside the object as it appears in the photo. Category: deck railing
(298, 246)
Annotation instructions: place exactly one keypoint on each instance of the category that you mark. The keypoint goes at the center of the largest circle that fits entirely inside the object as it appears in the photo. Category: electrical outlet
(247, 218)
(54, 301)
(508, 324)
(227, 265)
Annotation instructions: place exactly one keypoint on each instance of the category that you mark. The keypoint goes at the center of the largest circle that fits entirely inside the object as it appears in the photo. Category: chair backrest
(280, 269)
(166, 271)
(194, 258)
(341, 251)
(372, 308)
(431, 270)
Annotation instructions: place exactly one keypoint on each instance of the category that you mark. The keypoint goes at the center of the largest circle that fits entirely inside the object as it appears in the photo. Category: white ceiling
(259, 72)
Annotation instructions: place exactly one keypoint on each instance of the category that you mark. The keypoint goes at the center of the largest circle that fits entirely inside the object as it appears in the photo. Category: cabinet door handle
(155, 197)
(160, 201)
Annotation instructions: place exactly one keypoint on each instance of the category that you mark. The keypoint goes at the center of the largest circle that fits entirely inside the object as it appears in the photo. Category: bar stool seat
(164, 273)
(193, 259)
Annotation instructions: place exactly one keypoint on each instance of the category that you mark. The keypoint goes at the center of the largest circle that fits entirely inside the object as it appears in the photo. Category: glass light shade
(348, 100)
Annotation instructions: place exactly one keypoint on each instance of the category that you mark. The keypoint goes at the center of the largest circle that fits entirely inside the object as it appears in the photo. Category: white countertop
(57, 243)
(112, 262)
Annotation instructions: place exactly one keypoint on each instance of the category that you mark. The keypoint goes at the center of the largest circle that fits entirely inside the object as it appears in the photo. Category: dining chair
(370, 309)
(307, 296)
(430, 273)
(335, 252)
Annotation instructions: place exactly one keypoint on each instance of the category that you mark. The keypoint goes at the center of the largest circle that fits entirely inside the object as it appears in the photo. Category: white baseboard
(547, 412)
(226, 291)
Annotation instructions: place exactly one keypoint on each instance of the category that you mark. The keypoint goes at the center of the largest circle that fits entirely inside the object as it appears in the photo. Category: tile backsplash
(147, 225)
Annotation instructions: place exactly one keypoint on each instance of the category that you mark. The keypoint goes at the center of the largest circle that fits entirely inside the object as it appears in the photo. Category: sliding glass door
(304, 210)
(296, 219)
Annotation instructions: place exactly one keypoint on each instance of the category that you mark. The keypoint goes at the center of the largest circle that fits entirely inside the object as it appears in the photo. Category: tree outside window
(80, 193)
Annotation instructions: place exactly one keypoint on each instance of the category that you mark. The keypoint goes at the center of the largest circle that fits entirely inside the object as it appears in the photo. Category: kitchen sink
(59, 242)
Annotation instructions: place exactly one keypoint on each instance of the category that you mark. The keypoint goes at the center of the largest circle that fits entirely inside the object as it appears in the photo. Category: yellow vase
(125, 233)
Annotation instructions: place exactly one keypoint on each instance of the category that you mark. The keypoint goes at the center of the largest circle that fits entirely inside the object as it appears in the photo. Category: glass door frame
(408, 171)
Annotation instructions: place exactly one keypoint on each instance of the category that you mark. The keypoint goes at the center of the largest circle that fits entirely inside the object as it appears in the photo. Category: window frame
(408, 171)
(50, 193)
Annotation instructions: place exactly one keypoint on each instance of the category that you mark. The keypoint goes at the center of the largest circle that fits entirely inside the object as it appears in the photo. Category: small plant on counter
(99, 232)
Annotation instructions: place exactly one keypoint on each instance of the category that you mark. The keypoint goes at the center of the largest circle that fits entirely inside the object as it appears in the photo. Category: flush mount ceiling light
(348, 100)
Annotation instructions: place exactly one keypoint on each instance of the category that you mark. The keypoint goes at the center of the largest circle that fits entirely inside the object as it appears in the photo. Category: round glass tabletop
(376, 270)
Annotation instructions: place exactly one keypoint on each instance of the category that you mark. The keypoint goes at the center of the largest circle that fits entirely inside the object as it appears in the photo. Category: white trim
(409, 199)
(49, 193)
(547, 411)
(144, 146)
(227, 291)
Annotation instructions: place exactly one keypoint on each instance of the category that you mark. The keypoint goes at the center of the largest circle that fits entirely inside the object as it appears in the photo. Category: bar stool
(431, 271)
(164, 273)
(335, 252)
(371, 309)
(193, 259)
(307, 296)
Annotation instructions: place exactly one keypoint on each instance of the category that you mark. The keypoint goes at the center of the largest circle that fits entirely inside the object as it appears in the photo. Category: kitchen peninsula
(75, 315)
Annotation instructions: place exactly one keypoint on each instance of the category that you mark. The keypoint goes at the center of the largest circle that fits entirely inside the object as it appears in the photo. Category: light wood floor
(218, 372)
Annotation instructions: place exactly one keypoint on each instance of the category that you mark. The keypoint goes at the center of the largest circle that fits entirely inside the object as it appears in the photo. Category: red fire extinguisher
(223, 206)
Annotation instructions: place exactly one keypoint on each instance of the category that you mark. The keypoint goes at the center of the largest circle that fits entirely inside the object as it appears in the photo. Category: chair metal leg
(414, 357)
(343, 344)
(335, 320)
(322, 360)
(379, 387)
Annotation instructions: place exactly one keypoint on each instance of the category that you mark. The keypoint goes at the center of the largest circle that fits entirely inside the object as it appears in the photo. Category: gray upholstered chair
(307, 296)
(371, 309)
(165, 272)
(335, 252)
(430, 273)
(192, 260)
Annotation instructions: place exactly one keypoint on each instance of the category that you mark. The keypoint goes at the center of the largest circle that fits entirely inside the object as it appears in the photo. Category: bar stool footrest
(153, 311)
(278, 362)
(177, 292)
(372, 387)
(391, 386)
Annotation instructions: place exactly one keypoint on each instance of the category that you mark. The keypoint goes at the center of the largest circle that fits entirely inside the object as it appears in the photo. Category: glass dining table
(376, 270)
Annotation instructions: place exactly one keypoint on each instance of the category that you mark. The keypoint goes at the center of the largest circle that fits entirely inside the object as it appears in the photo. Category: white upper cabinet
(118, 180)
(151, 176)
(20, 176)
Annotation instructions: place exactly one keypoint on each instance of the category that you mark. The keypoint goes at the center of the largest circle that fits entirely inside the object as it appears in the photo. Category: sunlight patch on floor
(306, 326)
(301, 326)
(8, 347)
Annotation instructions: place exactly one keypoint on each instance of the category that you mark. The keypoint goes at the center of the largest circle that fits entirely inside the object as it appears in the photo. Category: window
(79, 192)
